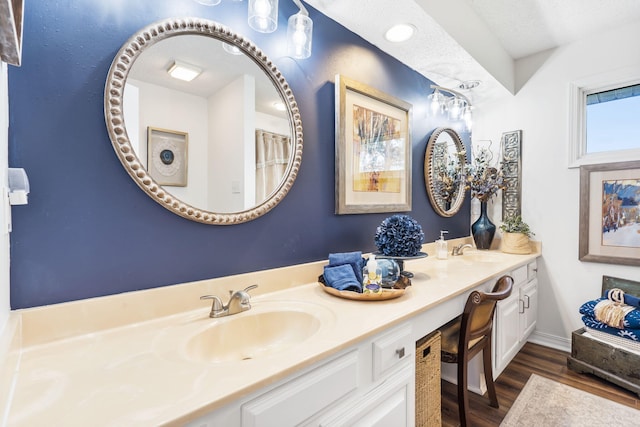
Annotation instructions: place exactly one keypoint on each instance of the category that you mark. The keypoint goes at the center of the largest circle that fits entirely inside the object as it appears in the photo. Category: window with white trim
(613, 120)
(604, 122)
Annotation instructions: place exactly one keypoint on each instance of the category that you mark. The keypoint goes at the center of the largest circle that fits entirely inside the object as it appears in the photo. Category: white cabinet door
(506, 332)
(298, 399)
(529, 306)
(387, 405)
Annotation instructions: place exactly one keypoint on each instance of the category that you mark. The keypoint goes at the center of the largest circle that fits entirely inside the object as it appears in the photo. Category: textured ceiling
(525, 27)
(460, 40)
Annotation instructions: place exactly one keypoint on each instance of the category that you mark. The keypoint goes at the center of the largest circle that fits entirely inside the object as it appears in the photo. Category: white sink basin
(265, 329)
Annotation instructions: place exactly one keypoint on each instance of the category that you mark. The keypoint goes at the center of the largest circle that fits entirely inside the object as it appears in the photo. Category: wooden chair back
(477, 317)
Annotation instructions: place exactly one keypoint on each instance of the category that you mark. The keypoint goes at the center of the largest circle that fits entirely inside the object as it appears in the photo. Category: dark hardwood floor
(533, 358)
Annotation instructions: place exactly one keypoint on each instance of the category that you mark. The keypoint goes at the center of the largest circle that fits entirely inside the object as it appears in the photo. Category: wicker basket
(428, 381)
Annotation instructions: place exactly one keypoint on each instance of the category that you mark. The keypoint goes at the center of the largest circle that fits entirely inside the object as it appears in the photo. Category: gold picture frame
(167, 159)
(373, 150)
(609, 213)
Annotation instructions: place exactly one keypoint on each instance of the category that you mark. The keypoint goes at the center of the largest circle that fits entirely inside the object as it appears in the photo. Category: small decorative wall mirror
(444, 171)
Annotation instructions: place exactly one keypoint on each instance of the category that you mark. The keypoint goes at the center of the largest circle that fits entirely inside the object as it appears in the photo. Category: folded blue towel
(628, 299)
(341, 277)
(631, 319)
(354, 259)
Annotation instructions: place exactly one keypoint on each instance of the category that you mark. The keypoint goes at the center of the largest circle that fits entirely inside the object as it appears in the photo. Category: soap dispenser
(372, 274)
(441, 246)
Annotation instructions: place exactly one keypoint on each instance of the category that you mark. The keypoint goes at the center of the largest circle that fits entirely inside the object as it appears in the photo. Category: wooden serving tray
(384, 295)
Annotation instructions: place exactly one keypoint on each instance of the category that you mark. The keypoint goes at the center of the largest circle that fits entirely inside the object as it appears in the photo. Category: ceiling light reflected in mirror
(183, 71)
(233, 50)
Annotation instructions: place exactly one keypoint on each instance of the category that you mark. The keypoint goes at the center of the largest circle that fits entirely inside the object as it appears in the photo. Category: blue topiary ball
(399, 235)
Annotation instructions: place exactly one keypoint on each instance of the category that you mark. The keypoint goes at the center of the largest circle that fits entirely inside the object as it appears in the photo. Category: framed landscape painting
(373, 150)
(610, 213)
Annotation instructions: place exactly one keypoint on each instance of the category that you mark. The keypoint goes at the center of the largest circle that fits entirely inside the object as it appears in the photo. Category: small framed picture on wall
(167, 156)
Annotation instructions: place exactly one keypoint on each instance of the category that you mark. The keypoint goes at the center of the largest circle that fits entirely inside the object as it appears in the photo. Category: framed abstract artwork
(610, 213)
(167, 156)
(373, 150)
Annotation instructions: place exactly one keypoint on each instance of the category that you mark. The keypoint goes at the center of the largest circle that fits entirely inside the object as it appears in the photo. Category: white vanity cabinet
(371, 383)
(516, 317)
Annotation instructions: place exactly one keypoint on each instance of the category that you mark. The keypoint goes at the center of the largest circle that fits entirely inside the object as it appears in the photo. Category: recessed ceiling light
(400, 33)
(182, 71)
(469, 84)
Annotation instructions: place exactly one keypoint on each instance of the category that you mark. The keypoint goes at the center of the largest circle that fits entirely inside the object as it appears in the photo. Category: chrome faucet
(239, 301)
(458, 250)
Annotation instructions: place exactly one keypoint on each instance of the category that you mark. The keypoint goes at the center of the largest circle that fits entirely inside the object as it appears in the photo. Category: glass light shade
(263, 15)
(456, 105)
(466, 116)
(436, 102)
(299, 33)
(209, 2)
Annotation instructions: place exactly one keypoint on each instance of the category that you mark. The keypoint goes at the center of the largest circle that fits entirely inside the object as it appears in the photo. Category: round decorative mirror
(444, 171)
(203, 121)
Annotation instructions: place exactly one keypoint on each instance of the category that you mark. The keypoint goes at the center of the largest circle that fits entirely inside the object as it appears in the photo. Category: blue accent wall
(88, 230)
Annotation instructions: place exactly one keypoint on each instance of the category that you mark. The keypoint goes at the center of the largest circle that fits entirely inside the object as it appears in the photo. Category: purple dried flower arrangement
(399, 235)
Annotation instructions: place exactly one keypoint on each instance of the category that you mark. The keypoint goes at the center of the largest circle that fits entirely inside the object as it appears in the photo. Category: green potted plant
(515, 236)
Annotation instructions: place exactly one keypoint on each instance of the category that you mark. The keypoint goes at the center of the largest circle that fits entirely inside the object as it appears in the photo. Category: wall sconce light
(183, 71)
(457, 106)
(299, 33)
(263, 15)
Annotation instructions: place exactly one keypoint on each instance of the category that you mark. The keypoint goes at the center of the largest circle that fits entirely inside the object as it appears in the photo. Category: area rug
(547, 403)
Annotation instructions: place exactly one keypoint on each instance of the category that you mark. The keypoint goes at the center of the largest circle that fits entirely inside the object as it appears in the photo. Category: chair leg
(488, 374)
(463, 396)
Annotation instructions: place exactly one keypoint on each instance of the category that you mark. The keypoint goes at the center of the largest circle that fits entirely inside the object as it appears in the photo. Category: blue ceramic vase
(483, 229)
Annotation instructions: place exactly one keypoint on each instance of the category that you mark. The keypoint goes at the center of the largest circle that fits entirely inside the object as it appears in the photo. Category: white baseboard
(548, 340)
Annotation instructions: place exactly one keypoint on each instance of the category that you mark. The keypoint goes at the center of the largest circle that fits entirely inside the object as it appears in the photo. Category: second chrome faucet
(458, 250)
(239, 301)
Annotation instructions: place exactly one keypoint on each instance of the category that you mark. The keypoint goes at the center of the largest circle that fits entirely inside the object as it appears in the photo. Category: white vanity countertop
(136, 373)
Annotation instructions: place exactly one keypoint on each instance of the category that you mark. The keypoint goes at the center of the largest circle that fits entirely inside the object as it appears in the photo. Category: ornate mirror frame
(445, 208)
(113, 110)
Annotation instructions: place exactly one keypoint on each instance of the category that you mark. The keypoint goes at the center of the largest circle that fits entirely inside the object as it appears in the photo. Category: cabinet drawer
(519, 275)
(391, 349)
(532, 270)
(297, 400)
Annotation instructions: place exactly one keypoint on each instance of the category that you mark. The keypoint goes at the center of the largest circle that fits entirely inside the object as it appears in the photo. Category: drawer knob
(400, 353)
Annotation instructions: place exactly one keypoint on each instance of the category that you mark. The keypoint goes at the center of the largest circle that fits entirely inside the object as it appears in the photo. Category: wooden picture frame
(373, 150)
(609, 213)
(167, 156)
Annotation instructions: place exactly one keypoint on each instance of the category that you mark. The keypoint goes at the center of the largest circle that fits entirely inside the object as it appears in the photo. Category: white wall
(550, 202)
(232, 140)
(4, 201)
(174, 110)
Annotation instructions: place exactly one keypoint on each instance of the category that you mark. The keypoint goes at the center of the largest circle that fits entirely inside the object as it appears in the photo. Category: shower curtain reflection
(272, 158)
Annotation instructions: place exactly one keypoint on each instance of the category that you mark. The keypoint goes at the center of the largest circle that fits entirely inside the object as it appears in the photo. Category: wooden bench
(612, 363)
